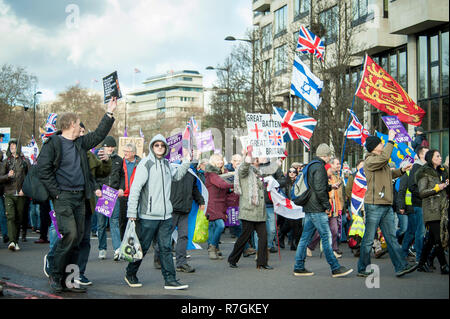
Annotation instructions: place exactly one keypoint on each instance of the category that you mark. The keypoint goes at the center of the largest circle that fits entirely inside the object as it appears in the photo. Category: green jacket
(247, 210)
(434, 201)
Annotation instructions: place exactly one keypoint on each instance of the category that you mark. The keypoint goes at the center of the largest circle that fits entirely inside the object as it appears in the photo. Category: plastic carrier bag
(130, 248)
(201, 228)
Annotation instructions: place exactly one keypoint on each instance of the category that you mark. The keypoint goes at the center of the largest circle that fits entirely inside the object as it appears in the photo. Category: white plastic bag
(130, 248)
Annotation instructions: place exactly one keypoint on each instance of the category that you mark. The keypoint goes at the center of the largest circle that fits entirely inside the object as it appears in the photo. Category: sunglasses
(292, 171)
(159, 145)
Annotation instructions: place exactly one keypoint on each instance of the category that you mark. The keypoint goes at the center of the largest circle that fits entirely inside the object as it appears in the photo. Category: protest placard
(233, 216)
(205, 141)
(5, 133)
(393, 123)
(111, 87)
(265, 135)
(175, 148)
(55, 223)
(105, 204)
(138, 141)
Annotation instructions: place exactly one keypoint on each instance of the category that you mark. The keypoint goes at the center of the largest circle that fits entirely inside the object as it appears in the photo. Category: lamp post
(34, 112)
(228, 86)
(252, 41)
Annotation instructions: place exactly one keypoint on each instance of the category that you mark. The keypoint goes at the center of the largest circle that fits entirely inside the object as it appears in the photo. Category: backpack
(425, 143)
(301, 192)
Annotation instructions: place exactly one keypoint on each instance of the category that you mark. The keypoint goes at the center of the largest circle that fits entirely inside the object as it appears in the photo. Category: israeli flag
(305, 84)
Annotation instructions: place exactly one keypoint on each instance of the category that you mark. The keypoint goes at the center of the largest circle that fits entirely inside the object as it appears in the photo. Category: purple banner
(175, 148)
(55, 224)
(393, 123)
(105, 204)
(233, 216)
(407, 160)
(205, 142)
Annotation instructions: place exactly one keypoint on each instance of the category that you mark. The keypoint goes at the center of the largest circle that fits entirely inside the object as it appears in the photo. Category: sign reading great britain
(265, 135)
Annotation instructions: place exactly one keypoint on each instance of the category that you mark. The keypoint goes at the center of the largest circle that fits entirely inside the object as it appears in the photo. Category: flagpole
(349, 119)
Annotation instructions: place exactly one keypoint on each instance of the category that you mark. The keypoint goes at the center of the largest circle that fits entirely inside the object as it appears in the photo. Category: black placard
(111, 87)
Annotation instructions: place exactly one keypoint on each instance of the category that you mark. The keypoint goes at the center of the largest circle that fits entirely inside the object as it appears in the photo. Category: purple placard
(233, 216)
(205, 142)
(393, 123)
(175, 148)
(105, 204)
(407, 160)
(55, 224)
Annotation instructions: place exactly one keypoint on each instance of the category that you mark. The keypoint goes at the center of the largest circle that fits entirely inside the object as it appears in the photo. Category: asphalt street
(21, 275)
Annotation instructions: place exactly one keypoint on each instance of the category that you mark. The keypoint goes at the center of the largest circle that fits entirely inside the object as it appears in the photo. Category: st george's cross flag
(296, 126)
(308, 42)
(283, 206)
(356, 131)
(305, 84)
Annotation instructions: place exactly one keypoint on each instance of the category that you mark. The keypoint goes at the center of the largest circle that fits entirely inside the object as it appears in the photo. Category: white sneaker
(17, 247)
(12, 246)
(308, 252)
(117, 254)
(102, 254)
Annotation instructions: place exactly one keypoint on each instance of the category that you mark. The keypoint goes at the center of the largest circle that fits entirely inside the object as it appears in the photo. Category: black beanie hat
(372, 142)
(109, 141)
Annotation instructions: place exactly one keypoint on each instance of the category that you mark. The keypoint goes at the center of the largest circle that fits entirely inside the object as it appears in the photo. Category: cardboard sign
(393, 123)
(138, 141)
(105, 204)
(111, 87)
(175, 148)
(265, 135)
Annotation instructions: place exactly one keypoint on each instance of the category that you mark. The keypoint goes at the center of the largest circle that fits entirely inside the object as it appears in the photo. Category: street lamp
(252, 41)
(228, 86)
(34, 112)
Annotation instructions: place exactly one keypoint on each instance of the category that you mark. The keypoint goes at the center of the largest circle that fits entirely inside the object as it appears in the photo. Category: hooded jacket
(217, 192)
(150, 192)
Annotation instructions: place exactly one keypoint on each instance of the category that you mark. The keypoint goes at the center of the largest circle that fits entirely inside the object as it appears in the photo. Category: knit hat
(418, 129)
(323, 150)
(109, 141)
(372, 142)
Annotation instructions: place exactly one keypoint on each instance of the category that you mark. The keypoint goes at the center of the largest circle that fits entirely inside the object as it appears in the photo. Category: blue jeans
(402, 225)
(35, 218)
(102, 223)
(416, 232)
(147, 230)
(3, 220)
(215, 230)
(382, 216)
(315, 221)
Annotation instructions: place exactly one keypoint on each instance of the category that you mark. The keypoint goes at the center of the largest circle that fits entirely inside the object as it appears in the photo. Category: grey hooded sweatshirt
(150, 192)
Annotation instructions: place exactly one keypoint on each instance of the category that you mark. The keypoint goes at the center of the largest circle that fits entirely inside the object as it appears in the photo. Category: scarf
(252, 180)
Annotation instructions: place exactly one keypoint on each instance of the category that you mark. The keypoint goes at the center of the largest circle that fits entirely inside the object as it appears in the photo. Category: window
(360, 12)
(301, 8)
(433, 98)
(187, 79)
(280, 59)
(267, 37)
(329, 20)
(280, 21)
(267, 69)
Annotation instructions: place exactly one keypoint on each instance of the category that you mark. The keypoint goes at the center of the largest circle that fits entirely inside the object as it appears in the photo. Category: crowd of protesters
(405, 209)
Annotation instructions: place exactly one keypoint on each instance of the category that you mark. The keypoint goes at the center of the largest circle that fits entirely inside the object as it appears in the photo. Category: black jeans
(123, 220)
(85, 245)
(70, 217)
(44, 209)
(247, 230)
(432, 239)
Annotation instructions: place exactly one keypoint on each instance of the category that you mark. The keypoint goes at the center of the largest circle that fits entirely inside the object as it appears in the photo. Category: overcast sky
(65, 41)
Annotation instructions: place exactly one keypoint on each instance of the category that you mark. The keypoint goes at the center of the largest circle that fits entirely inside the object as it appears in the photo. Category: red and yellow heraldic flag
(379, 89)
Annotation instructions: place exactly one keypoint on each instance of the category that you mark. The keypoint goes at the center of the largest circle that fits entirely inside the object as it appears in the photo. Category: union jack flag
(275, 137)
(356, 131)
(308, 42)
(358, 191)
(296, 126)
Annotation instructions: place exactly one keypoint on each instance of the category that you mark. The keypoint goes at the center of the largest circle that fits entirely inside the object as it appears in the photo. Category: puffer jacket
(379, 176)
(434, 201)
(217, 192)
(247, 210)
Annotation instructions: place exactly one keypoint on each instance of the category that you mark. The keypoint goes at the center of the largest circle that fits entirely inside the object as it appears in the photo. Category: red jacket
(217, 191)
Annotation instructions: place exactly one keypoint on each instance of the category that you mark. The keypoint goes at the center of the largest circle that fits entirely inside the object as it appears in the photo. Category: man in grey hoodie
(149, 205)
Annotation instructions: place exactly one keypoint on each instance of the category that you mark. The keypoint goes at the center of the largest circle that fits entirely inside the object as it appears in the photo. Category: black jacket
(318, 182)
(113, 179)
(50, 157)
(401, 195)
(418, 141)
(412, 185)
(183, 192)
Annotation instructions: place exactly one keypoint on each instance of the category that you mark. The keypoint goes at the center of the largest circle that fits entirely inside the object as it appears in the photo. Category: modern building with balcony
(163, 102)
(408, 38)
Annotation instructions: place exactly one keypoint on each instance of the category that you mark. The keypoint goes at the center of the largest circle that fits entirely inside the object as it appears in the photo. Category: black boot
(422, 267)
(444, 270)
(281, 240)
